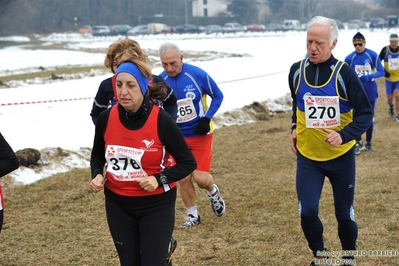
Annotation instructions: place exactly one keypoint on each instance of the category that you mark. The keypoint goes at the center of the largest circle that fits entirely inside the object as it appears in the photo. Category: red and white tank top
(133, 154)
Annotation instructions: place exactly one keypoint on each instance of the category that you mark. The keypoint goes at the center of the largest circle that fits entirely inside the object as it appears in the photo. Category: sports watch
(163, 179)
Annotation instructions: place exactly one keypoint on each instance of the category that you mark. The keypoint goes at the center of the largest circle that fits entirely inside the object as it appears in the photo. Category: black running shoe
(368, 147)
(171, 250)
(390, 112)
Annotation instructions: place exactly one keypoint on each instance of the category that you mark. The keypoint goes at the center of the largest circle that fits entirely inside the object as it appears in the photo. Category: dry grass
(58, 221)
(46, 73)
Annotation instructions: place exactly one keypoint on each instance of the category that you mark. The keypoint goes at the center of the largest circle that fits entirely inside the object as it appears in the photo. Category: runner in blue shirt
(191, 86)
(368, 67)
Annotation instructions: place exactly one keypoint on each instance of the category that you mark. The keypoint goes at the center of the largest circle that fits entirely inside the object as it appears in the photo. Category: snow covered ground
(45, 115)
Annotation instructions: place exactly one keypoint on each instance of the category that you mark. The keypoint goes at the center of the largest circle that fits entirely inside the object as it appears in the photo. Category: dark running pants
(141, 227)
(370, 130)
(309, 184)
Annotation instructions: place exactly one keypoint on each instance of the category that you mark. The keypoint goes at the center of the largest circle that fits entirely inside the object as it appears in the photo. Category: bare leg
(187, 191)
(203, 179)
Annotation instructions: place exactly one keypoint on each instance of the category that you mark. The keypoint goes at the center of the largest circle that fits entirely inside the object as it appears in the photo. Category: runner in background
(368, 67)
(192, 85)
(8, 163)
(118, 52)
(390, 55)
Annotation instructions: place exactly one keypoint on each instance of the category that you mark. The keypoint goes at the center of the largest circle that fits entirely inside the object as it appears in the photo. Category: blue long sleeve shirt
(367, 63)
(191, 86)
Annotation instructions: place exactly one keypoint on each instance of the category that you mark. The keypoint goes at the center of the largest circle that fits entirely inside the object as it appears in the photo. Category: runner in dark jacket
(125, 50)
(8, 163)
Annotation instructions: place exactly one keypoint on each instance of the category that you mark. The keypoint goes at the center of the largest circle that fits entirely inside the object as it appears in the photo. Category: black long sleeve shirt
(103, 99)
(8, 160)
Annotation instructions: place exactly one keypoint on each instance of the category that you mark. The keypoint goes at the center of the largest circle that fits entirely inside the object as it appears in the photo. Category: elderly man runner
(324, 92)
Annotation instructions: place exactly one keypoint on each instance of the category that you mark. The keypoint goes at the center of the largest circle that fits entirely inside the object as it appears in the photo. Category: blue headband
(133, 70)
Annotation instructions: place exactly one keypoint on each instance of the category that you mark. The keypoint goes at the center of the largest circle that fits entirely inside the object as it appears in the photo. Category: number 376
(123, 163)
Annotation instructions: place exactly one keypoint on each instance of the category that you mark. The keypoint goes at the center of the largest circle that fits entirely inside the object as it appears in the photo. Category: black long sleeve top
(105, 96)
(168, 132)
(318, 74)
(103, 99)
(8, 160)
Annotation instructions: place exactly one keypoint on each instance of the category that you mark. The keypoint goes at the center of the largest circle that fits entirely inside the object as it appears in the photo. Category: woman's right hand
(97, 184)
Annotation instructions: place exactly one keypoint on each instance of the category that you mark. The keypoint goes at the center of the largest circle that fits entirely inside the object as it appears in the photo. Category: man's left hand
(203, 126)
(333, 138)
(366, 78)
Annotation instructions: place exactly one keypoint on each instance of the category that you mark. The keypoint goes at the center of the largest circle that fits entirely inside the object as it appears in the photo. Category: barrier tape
(254, 77)
(89, 98)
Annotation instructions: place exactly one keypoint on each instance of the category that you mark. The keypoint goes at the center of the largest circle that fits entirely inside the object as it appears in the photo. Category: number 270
(329, 111)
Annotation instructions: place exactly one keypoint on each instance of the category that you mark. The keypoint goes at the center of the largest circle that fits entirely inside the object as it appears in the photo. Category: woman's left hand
(148, 183)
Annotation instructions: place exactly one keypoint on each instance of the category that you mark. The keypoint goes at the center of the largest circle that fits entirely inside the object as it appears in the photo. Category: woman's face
(129, 92)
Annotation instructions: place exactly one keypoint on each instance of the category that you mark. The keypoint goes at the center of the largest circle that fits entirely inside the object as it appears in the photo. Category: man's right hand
(293, 141)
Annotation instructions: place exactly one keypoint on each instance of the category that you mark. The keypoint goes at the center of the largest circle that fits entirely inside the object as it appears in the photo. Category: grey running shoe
(217, 202)
(390, 112)
(368, 147)
(191, 221)
(361, 146)
(357, 148)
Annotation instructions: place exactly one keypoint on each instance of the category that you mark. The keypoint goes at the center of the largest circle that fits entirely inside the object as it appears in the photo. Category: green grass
(58, 221)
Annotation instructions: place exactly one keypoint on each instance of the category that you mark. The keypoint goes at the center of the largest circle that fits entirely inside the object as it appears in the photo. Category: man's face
(171, 62)
(393, 44)
(318, 44)
(359, 47)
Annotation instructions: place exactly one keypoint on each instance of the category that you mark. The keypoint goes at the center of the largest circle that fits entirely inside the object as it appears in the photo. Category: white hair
(169, 46)
(332, 25)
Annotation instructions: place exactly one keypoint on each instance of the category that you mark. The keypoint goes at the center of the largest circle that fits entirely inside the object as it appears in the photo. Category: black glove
(387, 75)
(203, 126)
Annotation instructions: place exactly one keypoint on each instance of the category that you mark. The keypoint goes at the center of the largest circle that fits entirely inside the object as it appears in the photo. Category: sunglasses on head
(358, 44)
